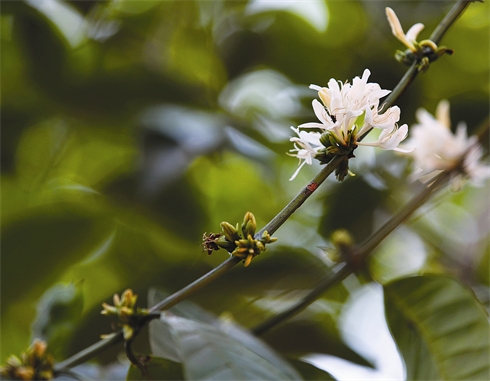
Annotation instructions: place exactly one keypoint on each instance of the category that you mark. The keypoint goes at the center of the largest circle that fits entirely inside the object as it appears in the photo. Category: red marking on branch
(312, 187)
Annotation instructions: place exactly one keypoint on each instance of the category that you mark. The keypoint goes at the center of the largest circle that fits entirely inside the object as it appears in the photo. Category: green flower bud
(342, 237)
(229, 231)
(249, 225)
(325, 139)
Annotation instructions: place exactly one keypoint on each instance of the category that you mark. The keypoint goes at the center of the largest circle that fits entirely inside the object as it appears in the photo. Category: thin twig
(343, 270)
(449, 20)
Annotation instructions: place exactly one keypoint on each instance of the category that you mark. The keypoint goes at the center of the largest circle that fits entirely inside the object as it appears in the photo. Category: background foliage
(129, 128)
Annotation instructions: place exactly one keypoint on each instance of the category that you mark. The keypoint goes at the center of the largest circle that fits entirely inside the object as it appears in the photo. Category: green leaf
(163, 342)
(58, 312)
(158, 369)
(224, 353)
(310, 372)
(440, 328)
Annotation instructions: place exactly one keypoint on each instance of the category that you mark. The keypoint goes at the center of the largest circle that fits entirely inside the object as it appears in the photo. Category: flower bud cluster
(239, 241)
(35, 364)
(123, 310)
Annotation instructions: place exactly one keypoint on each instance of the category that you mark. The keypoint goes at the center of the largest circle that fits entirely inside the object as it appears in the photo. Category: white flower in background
(344, 106)
(407, 39)
(439, 149)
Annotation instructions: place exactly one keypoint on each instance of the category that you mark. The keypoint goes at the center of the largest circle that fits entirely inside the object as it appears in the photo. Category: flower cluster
(242, 246)
(123, 310)
(343, 108)
(423, 52)
(35, 364)
(439, 149)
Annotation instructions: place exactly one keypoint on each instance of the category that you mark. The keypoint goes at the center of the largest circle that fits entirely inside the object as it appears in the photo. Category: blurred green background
(130, 128)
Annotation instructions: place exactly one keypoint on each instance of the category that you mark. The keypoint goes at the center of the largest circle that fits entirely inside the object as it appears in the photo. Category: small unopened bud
(248, 260)
(342, 238)
(128, 332)
(229, 231)
(24, 373)
(108, 309)
(39, 348)
(128, 299)
(249, 225)
(325, 139)
(13, 361)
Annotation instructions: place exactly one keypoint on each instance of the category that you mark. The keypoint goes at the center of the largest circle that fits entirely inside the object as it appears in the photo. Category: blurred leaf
(344, 202)
(210, 353)
(310, 372)
(188, 47)
(222, 180)
(440, 328)
(39, 246)
(58, 312)
(158, 369)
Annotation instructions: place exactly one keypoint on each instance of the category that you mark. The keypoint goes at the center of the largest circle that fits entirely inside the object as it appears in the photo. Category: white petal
(333, 85)
(414, 31)
(313, 125)
(297, 171)
(315, 87)
(365, 75)
(402, 150)
(443, 113)
(320, 112)
(396, 28)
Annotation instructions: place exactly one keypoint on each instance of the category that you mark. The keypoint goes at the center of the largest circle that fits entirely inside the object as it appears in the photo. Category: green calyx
(426, 52)
(239, 241)
(334, 146)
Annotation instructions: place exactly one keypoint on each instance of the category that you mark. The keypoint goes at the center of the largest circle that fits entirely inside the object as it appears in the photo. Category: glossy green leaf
(163, 342)
(157, 369)
(223, 353)
(440, 328)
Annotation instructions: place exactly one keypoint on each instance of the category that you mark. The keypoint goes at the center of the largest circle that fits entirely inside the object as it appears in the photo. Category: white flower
(309, 144)
(390, 140)
(439, 149)
(387, 120)
(343, 105)
(396, 28)
(351, 100)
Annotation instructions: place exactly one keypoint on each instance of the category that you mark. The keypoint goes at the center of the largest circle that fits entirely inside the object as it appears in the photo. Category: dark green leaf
(160, 337)
(158, 369)
(163, 344)
(209, 353)
(310, 372)
(440, 328)
(40, 246)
